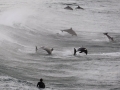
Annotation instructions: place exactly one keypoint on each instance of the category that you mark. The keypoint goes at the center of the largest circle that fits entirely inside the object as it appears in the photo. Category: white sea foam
(9, 83)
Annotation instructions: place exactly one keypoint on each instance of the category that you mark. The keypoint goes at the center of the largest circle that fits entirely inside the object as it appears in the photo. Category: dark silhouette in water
(36, 48)
(79, 7)
(41, 84)
(80, 50)
(109, 37)
(68, 8)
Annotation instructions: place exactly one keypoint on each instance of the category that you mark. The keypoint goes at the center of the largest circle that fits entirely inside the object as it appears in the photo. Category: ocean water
(25, 24)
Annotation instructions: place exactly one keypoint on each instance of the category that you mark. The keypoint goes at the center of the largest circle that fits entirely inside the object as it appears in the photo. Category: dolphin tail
(75, 51)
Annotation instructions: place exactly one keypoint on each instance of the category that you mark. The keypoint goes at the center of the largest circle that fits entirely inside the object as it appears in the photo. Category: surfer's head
(41, 79)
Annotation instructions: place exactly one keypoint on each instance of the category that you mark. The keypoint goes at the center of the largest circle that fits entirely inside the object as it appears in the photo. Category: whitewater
(25, 24)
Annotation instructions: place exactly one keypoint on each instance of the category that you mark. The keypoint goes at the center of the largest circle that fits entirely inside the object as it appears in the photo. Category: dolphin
(48, 50)
(80, 50)
(109, 37)
(70, 31)
(68, 8)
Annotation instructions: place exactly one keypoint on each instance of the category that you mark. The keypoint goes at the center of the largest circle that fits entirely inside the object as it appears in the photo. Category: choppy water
(25, 24)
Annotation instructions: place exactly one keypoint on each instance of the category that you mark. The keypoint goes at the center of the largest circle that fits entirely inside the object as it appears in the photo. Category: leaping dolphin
(80, 50)
(109, 37)
(49, 51)
(70, 31)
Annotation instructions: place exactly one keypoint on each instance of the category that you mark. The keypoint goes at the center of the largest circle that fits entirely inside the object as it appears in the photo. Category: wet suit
(41, 84)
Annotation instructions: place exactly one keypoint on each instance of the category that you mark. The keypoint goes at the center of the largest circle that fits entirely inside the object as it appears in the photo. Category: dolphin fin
(75, 51)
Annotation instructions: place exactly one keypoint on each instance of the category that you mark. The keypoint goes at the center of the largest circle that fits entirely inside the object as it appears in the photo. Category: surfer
(41, 84)
(80, 50)
(109, 37)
